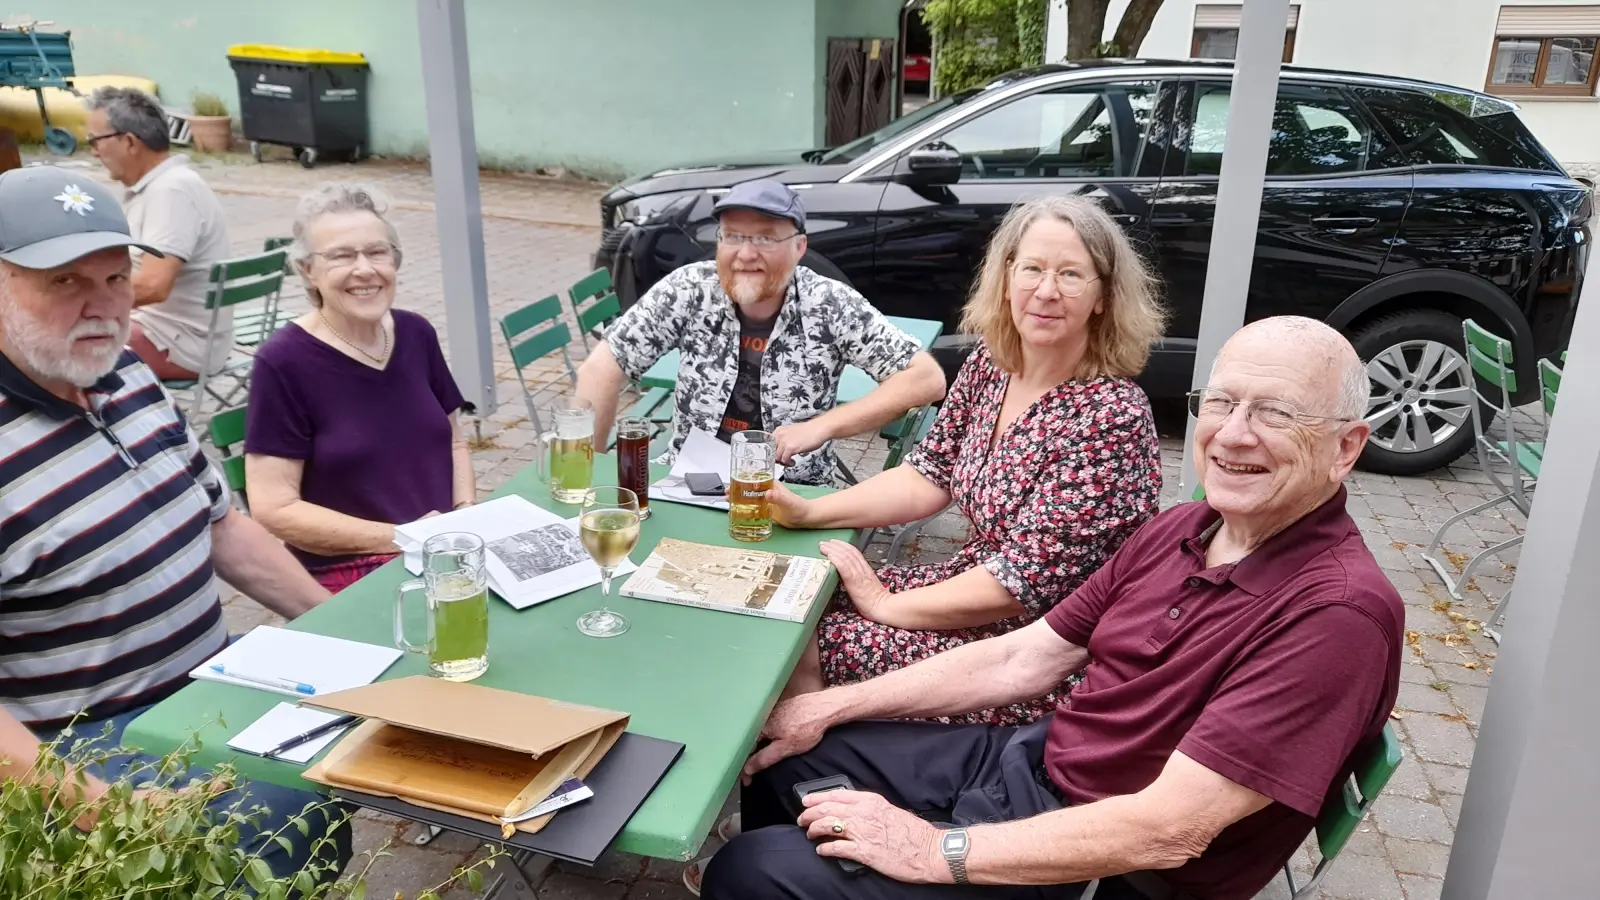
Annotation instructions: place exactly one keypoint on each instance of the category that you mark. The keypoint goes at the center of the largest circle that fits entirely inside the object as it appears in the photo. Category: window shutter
(1226, 15)
(1548, 21)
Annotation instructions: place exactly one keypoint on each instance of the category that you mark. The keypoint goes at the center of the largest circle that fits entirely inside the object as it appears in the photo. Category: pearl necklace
(380, 360)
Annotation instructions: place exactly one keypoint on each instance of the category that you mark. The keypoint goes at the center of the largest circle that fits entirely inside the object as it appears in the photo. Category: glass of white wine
(609, 527)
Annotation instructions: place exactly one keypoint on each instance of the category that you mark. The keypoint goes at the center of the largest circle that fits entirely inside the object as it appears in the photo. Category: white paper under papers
(571, 791)
(281, 723)
(701, 452)
(325, 663)
(533, 554)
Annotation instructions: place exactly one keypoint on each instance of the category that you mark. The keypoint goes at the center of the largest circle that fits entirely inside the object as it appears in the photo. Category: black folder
(580, 833)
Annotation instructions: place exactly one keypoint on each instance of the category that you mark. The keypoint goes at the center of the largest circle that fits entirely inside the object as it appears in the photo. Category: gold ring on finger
(838, 826)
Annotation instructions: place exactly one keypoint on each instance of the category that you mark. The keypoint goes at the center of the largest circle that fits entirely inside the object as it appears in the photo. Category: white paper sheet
(326, 664)
(281, 723)
(701, 452)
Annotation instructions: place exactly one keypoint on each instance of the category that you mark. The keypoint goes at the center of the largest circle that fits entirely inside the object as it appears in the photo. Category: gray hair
(334, 197)
(1355, 388)
(132, 111)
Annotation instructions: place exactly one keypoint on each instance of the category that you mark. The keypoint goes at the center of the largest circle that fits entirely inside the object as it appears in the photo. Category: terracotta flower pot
(211, 134)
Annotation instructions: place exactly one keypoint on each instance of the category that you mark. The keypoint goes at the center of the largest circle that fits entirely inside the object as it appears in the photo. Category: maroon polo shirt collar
(1284, 554)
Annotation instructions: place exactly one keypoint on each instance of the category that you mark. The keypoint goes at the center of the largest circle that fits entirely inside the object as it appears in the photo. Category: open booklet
(732, 579)
(701, 452)
(533, 554)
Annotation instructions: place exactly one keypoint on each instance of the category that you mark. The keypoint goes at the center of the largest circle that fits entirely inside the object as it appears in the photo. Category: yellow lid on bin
(296, 54)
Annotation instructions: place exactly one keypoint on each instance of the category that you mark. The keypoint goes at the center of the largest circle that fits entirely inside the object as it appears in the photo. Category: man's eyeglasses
(1214, 407)
(379, 255)
(758, 241)
(1069, 282)
(93, 139)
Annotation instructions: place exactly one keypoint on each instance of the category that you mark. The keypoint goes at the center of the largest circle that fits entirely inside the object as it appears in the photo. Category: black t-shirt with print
(744, 406)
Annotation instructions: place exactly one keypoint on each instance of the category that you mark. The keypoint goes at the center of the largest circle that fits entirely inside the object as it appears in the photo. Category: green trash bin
(312, 101)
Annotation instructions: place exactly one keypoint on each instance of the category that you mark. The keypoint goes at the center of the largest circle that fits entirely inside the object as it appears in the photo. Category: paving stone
(611, 866)
(1456, 672)
(1437, 739)
(1410, 819)
(1386, 507)
(566, 886)
(1451, 804)
(1446, 779)
(1366, 840)
(1373, 487)
(1362, 878)
(1469, 699)
(1418, 857)
(1410, 780)
(659, 890)
(1424, 698)
(1419, 888)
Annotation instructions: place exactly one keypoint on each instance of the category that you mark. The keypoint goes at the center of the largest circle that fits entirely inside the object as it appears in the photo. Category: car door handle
(1344, 224)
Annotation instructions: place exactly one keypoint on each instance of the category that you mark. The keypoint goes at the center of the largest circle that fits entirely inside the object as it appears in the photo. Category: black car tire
(1399, 335)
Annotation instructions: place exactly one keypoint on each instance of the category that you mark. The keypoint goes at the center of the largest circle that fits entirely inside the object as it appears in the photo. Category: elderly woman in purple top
(352, 426)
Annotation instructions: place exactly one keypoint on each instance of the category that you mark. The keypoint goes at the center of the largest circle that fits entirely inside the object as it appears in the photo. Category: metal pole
(453, 159)
(1244, 171)
(1528, 824)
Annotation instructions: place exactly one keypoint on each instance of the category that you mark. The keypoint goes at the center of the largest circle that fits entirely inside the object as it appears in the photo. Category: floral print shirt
(823, 326)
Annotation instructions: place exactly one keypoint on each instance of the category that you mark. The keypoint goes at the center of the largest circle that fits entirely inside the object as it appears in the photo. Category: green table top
(704, 678)
(853, 384)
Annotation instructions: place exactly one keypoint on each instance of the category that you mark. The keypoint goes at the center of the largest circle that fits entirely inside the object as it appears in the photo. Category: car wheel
(1421, 405)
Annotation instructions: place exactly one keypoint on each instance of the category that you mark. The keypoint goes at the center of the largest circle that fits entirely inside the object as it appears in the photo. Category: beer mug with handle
(455, 585)
(754, 469)
(566, 455)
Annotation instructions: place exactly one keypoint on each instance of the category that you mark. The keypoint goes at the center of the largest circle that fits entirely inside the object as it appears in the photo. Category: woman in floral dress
(1044, 443)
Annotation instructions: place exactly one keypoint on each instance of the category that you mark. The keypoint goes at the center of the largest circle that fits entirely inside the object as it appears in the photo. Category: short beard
(46, 357)
(744, 290)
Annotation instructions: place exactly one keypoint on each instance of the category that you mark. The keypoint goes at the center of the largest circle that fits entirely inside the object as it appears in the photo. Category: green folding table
(703, 678)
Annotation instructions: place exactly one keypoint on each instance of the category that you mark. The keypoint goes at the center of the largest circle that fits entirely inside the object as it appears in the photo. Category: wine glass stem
(605, 580)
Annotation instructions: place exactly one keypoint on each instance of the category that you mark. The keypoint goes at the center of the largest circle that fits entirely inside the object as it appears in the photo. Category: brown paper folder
(463, 748)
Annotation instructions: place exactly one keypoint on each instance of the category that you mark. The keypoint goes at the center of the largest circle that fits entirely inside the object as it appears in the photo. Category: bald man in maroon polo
(1236, 652)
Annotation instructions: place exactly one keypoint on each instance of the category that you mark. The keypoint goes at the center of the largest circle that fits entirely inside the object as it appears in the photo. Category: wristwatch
(954, 844)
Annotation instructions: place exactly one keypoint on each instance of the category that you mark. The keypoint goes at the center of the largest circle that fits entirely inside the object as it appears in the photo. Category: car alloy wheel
(1421, 396)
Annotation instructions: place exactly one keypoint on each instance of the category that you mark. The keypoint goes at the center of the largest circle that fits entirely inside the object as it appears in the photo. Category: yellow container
(304, 55)
(19, 109)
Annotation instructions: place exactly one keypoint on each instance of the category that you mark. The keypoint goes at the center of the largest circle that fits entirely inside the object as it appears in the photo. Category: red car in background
(918, 69)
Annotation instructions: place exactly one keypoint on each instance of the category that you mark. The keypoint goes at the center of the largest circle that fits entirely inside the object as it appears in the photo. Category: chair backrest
(246, 278)
(596, 287)
(1549, 385)
(279, 243)
(534, 332)
(1491, 360)
(1374, 763)
(227, 432)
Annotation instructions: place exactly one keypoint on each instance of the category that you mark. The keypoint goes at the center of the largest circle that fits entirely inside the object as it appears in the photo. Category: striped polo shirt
(107, 596)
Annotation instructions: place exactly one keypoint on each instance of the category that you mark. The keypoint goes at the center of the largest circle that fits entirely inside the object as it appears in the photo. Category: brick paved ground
(539, 234)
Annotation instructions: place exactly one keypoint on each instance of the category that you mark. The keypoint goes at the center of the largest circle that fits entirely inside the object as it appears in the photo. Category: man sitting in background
(763, 341)
(113, 525)
(171, 209)
(1238, 651)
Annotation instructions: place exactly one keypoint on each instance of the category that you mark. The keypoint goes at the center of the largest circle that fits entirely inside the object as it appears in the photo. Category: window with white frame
(1545, 51)
(1216, 31)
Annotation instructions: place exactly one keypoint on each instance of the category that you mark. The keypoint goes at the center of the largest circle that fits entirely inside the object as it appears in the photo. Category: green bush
(208, 105)
(158, 843)
(980, 39)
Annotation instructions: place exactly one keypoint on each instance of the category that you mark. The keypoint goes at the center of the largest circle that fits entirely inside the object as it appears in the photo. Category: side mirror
(933, 163)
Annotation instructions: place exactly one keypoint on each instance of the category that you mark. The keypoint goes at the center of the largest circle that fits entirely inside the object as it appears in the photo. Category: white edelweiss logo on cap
(73, 199)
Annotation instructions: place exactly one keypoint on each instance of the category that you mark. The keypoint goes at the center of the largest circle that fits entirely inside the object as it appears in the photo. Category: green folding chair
(1371, 768)
(234, 282)
(532, 333)
(252, 327)
(1511, 463)
(594, 306)
(903, 434)
(227, 433)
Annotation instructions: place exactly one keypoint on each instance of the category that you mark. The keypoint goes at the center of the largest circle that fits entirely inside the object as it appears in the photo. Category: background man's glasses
(1214, 407)
(92, 139)
(758, 241)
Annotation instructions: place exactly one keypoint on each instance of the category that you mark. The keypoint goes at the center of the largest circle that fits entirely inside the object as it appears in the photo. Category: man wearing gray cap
(762, 343)
(113, 525)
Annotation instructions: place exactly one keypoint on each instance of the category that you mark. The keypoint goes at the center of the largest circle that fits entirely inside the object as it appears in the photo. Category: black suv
(1393, 209)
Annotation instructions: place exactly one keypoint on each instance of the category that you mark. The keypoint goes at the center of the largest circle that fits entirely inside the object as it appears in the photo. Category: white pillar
(1055, 32)
(1244, 171)
(453, 160)
(1530, 822)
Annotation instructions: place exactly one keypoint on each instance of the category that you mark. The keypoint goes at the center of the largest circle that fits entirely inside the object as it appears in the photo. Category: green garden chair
(903, 434)
(1371, 768)
(1510, 462)
(595, 305)
(532, 333)
(248, 279)
(252, 327)
(227, 433)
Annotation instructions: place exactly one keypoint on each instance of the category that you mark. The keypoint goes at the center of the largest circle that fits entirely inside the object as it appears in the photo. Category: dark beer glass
(633, 459)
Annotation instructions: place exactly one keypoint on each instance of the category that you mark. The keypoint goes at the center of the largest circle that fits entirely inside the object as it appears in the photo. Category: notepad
(281, 723)
(268, 656)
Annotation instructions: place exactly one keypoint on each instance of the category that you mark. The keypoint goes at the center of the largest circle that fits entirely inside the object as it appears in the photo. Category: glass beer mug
(456, 588)
(566, 455)
(754, 469)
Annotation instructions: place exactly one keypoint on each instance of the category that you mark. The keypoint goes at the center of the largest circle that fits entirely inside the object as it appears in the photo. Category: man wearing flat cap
(762, 343)
(114, 527)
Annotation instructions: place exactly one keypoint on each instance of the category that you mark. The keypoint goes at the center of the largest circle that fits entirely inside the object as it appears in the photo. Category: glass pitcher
(566, 455)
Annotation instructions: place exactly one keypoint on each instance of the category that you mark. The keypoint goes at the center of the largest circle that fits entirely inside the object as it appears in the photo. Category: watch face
(955, 842)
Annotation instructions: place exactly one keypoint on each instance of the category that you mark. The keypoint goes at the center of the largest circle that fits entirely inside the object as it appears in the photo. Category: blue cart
(35, 59)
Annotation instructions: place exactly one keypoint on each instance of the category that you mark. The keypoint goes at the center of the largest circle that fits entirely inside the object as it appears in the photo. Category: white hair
(335, 197)
(1355, 388)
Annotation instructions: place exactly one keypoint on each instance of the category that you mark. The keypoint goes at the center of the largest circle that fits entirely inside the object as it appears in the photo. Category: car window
(1315, 131)
(862, 145)
(1450, 128)
(1085, 132)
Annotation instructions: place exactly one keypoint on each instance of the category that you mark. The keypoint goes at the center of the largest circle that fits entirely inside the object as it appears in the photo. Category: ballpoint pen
(286, 684)
(307, 736)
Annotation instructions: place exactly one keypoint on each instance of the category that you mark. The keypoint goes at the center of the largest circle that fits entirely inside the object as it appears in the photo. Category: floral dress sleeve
(1097, 490)
(935, 455)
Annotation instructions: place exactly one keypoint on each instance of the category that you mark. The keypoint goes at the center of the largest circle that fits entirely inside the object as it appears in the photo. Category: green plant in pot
(160, 834)
(210, 126)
